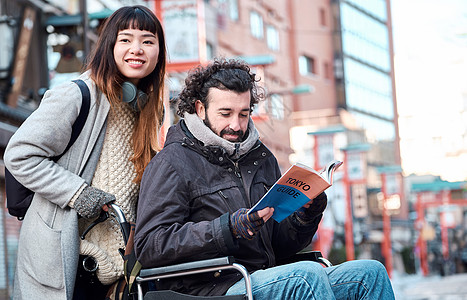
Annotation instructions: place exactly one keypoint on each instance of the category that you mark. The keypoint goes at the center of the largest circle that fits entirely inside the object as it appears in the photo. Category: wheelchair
(198, 267)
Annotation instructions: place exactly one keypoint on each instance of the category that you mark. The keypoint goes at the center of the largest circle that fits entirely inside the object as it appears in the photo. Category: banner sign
(180, 19)
(393, 185)
(325, 149)
(359, 201)
(355, 166)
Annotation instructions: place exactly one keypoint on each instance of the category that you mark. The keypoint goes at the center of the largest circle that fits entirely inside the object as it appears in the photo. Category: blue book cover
(296, 187)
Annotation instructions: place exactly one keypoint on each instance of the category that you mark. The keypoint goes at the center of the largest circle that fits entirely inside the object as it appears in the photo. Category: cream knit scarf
(114, 174)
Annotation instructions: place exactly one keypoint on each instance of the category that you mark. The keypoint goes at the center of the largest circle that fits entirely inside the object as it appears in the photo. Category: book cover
(297, 186)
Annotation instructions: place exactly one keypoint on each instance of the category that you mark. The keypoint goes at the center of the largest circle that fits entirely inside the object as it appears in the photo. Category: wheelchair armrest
(192, 268)
(306, 255)
(189, 266)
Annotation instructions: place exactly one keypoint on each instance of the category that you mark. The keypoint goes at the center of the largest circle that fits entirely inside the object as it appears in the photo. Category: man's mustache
(229, 131)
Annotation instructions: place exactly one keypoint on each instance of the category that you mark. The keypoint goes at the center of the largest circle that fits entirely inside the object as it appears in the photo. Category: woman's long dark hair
(104, 72)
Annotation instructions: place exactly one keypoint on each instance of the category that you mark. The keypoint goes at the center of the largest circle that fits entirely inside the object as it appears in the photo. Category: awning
(66, 20)
(257, 60)
(71, 20)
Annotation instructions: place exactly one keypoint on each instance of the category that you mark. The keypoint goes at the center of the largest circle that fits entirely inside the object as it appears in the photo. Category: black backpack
(18, 198)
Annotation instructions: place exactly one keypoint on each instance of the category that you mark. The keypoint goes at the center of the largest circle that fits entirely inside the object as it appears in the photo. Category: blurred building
(326, 67)
(366, 94)
(328, 71)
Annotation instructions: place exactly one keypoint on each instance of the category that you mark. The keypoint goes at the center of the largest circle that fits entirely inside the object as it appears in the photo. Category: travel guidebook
(297, 186)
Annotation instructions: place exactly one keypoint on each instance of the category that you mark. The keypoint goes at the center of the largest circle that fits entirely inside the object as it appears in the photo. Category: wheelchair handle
(120, 217)
(102, 217)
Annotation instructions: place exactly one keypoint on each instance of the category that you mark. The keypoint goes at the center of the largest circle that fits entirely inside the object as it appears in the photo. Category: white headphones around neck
(135, 98)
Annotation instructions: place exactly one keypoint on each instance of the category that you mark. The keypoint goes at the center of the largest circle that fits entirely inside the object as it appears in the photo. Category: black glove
(89, 203)
(241, 222)
(306, 215)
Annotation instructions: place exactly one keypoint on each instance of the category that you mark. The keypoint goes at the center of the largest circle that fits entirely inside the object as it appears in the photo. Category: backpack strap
(19, 197)
(83, 115)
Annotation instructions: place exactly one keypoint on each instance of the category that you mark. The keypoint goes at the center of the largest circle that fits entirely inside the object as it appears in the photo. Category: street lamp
(300, 89)
(303, 89)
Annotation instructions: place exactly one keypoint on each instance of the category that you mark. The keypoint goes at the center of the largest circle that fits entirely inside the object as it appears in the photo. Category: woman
(119, 138)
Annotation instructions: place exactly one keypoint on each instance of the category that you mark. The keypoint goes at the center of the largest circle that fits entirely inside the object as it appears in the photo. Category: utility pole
(22, 53)
(386, 247)
(83, 8)
(349, 242)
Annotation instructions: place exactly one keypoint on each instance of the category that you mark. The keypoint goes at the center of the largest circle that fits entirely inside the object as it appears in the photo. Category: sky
(430, 45)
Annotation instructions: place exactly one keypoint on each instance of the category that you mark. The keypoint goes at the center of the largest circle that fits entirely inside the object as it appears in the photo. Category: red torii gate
(430, 199)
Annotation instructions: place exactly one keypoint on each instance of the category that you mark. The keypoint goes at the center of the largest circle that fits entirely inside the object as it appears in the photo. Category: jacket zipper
(226, 200)
(239, 176)
(239, 179)
(237, 170)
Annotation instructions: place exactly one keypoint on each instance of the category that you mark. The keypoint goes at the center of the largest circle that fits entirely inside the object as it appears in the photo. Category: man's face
(227, 114)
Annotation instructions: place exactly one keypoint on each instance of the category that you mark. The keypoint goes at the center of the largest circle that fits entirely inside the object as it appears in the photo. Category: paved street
(417, 287)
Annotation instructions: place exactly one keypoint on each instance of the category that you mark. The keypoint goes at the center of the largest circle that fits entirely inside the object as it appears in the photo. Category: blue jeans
(356, 279)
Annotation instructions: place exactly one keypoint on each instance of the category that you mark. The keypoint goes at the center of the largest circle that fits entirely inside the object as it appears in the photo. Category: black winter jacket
(188, 192)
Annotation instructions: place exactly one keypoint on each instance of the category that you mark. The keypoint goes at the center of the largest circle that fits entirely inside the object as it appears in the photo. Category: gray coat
(48, 247)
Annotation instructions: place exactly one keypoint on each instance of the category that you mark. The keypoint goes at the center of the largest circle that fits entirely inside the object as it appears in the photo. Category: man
(196, 192)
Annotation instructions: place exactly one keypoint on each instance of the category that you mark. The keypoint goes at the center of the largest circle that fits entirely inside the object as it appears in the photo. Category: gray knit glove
(89, 203)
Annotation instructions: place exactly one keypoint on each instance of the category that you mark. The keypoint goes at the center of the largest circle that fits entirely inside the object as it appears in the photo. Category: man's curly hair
(233, 75)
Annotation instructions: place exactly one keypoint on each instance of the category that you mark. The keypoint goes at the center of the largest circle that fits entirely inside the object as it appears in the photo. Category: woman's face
(136, 52)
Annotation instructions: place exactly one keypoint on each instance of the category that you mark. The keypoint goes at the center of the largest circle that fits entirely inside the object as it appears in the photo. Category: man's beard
(239, 133)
